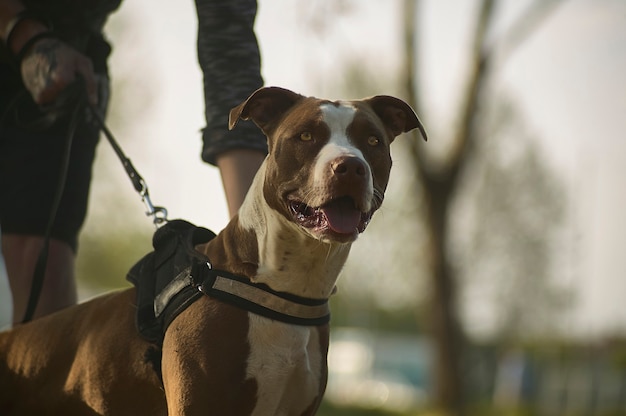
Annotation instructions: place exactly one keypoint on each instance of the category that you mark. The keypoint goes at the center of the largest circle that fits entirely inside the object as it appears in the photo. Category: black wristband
(19, 56)
(15, 22)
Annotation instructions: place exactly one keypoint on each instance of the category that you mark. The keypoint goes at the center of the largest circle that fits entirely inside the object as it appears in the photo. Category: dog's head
(331, 159)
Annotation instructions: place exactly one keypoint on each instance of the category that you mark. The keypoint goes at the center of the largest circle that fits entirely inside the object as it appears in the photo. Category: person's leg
(32, 149)
(59, 288)
(29, 184)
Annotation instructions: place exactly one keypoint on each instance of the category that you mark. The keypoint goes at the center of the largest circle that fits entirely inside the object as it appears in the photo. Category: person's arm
(229, 57)
(47, 65)
(237, 168)
(20, 30)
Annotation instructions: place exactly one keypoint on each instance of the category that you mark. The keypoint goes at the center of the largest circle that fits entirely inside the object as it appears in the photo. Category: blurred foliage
(327, 409)
(507, 223)
(105, 258)
(474, 410)
(548, 377)
(348, 310)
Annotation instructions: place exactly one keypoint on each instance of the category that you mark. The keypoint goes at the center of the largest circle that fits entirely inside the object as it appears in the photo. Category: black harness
(175, 275)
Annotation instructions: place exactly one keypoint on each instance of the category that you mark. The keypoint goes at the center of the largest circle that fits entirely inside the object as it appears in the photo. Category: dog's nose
(347, 166)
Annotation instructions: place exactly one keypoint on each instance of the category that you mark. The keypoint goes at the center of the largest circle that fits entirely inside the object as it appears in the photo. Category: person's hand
(50, 65)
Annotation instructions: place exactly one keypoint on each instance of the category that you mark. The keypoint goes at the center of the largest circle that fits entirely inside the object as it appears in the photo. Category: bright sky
(569, 77)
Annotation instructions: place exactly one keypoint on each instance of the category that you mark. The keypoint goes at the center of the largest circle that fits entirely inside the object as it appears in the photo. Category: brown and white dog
(325, 175)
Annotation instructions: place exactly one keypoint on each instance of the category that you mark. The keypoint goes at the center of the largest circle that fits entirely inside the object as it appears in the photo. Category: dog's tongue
(342, 217)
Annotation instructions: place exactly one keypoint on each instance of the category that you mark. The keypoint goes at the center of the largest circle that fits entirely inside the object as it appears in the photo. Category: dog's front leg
(205, 354)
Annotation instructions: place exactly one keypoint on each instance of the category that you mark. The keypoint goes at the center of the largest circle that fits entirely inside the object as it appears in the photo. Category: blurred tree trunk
(439, 180)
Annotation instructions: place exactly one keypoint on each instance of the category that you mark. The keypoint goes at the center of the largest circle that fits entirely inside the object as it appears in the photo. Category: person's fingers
(52, 66)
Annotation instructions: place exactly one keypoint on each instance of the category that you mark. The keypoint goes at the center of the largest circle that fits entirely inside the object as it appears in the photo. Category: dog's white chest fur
(286, 362)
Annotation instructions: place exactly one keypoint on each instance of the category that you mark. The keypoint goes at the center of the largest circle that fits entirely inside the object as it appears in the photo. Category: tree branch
(479, 61)
(526, 25)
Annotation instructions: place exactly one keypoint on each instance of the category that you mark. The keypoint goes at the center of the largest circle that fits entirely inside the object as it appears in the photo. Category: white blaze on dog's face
(340, 156)
(331, 160)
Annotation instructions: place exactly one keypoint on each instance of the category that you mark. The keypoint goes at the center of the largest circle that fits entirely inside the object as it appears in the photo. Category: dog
(324, 177)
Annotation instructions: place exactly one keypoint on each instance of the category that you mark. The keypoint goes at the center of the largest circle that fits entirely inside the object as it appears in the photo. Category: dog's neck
(264, 246)
(290, 259)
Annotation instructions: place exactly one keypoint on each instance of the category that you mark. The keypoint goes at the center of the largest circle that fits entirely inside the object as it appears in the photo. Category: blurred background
(492, 281)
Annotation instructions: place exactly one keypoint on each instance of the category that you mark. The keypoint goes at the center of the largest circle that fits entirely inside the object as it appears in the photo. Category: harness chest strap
(236, 290)
(313, 312)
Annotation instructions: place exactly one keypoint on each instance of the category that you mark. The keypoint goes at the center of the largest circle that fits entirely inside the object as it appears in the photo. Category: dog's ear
(263, 106)
(397, 115)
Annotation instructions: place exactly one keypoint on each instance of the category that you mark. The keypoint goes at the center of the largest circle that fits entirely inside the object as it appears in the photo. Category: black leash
(159, 213)
(76, 95)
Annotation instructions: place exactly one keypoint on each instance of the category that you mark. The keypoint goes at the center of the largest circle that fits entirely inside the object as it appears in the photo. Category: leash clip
(159, 213)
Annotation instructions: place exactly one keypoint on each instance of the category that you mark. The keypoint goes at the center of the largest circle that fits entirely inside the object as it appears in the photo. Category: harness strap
(261, 300)
(238, 291)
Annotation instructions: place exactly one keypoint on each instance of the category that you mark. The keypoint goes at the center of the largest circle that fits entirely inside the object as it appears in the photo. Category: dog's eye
(373, 141)
(306, 136)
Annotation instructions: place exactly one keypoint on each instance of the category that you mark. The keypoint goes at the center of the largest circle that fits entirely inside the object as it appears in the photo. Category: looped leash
(76, 94)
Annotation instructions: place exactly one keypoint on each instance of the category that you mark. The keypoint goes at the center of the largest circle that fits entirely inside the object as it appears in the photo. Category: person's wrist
(21, 29)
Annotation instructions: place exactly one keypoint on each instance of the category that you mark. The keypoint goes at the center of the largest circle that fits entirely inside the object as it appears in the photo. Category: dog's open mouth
(339, 215)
